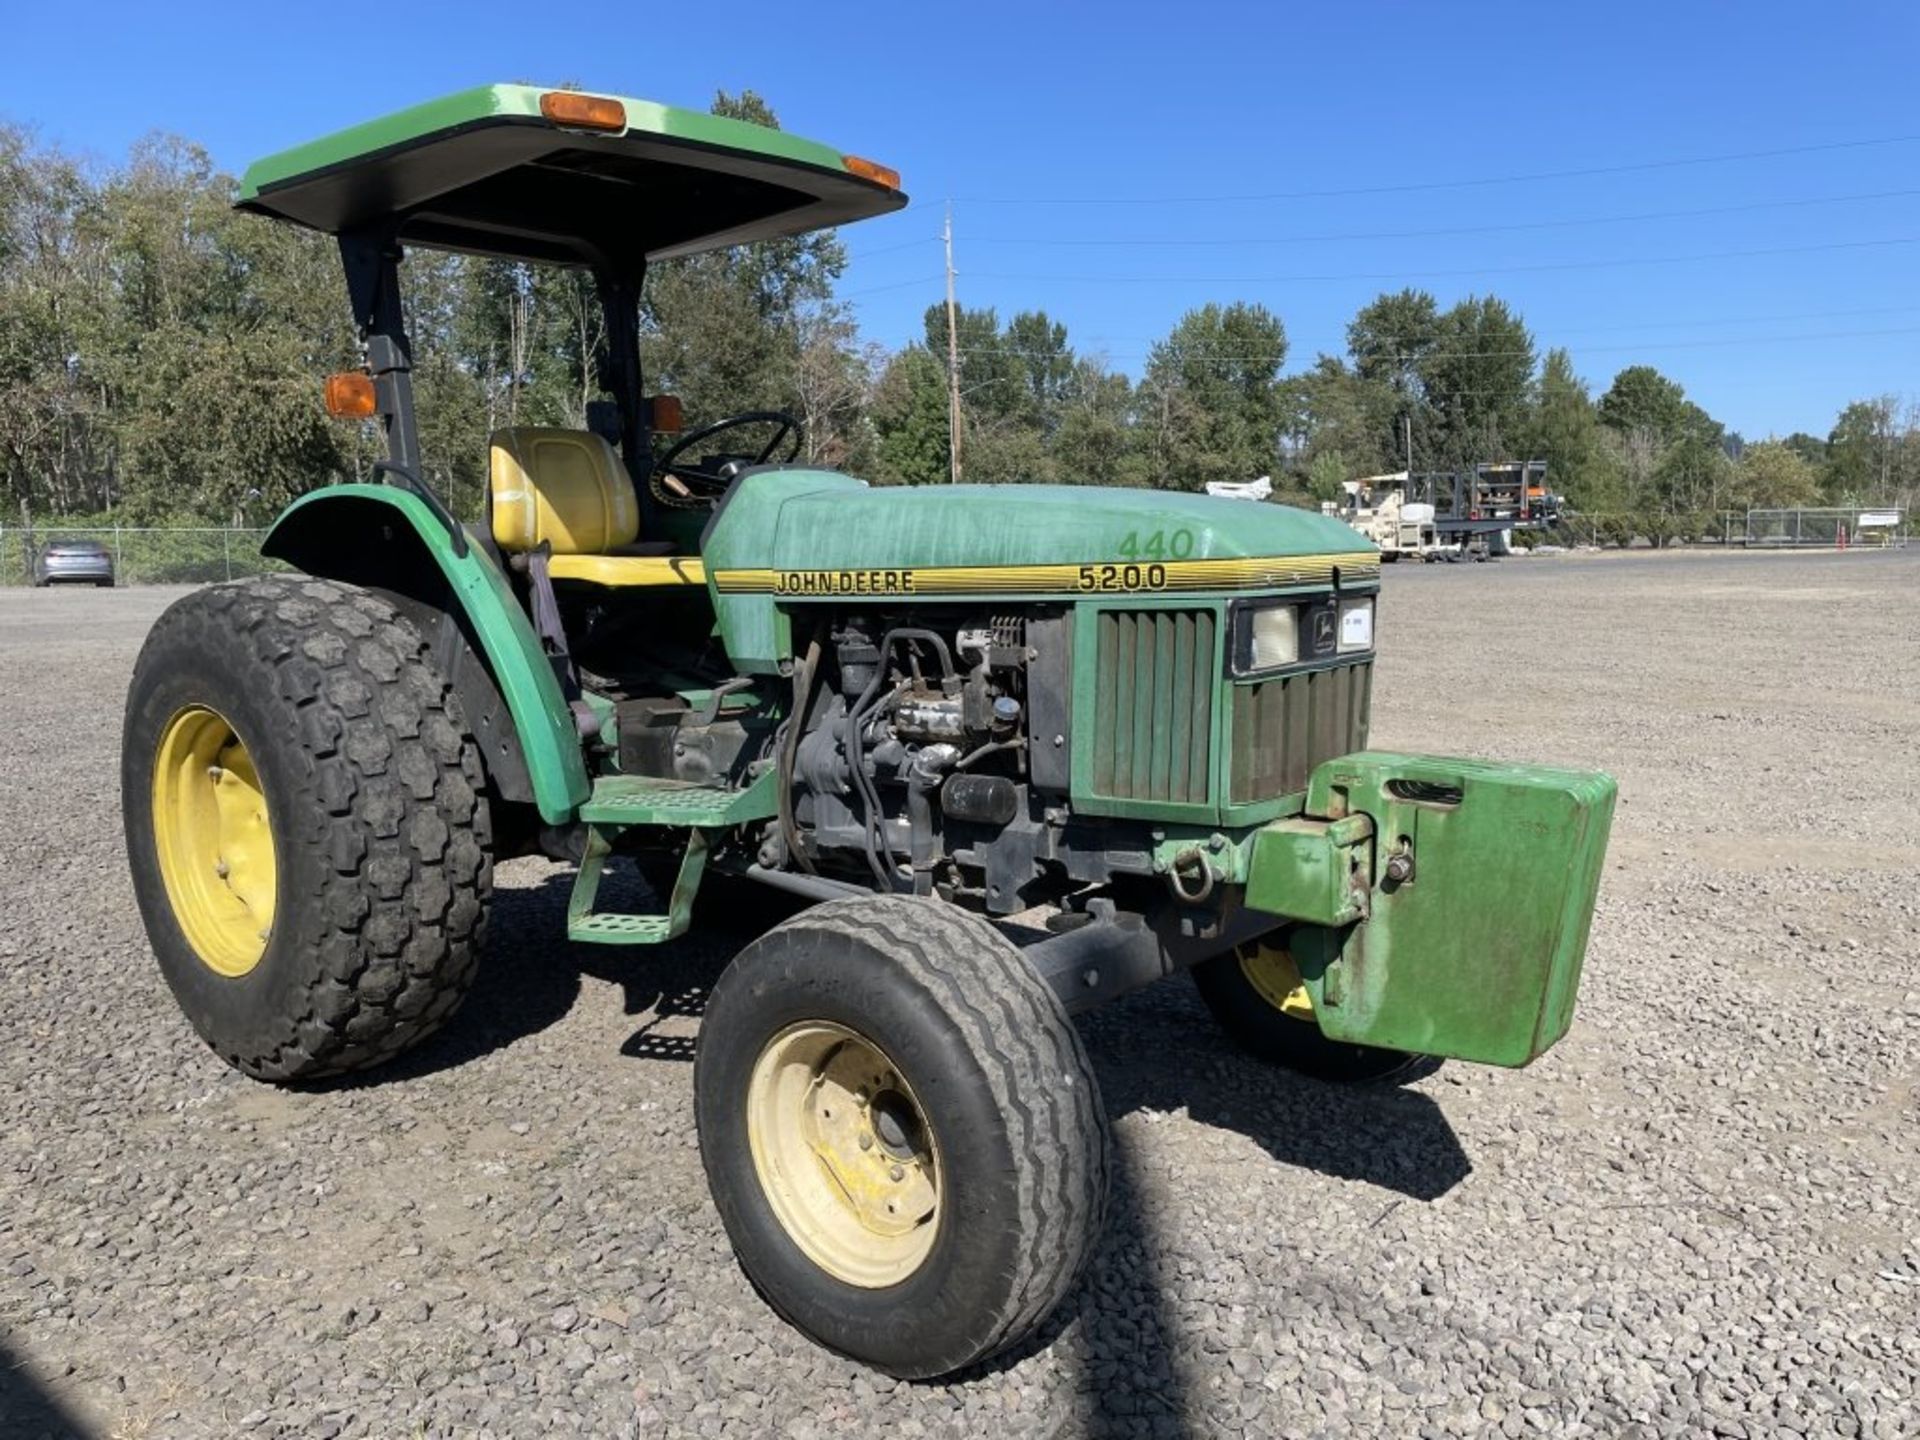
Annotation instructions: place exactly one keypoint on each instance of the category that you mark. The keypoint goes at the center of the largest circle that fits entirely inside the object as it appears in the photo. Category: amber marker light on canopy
(872, 170)
(663, 414)
(583, 112)
(350, 395)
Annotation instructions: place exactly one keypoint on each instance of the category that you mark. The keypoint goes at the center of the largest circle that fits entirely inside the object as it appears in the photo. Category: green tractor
(1007, 754)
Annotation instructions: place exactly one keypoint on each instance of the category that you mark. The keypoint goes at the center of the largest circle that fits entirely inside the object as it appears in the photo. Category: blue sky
(1117, 164)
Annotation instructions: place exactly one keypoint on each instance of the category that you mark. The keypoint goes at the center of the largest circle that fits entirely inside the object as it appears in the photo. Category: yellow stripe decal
(1101, 578)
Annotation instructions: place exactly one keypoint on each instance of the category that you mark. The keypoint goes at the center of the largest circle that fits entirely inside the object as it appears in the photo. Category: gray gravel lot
(1696, 1216)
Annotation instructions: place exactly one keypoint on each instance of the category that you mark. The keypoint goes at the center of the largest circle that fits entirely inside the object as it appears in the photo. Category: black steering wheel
(711, 476)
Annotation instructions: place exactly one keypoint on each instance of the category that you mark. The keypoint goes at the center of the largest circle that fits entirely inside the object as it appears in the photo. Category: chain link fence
(1807, 527)
(1829, 528)
(145, 555)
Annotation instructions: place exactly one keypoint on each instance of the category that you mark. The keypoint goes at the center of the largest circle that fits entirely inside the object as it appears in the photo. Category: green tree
(1097, 442)
(1641, 398)
(1774, 475)
(1390, 337)
(218, 330)
(1210, 400)
(1476, 381)
(835, 376)
(910, 419)
(1038, 347)
(1863, 450)
(1390, 342)
(53, 451)
(993, 382)
(723, 330)
(1336, 420)
(1810, 448)
(1564, 430)
(1014, 387)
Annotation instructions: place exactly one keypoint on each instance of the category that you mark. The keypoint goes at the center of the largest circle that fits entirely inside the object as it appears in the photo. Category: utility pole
(953, 362)
(1407, 419)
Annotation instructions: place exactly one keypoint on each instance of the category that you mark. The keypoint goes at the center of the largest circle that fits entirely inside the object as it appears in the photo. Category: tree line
(160, 355)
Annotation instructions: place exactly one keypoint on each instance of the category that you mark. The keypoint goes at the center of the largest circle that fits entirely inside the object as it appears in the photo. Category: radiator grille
(1153, 715)
(1283, 728)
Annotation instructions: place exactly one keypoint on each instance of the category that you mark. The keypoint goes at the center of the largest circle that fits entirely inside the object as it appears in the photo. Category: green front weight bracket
(1441, 906)
(1319, 872)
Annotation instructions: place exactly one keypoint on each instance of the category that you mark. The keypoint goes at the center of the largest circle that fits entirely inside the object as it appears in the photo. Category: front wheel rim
(213, 841)
(844, 1154)
(1275, 977)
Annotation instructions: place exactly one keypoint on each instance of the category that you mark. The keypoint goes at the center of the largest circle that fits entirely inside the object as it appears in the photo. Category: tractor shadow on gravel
(1142, 1370)
(529, 977)
(29, 1412)
(1156, 1052)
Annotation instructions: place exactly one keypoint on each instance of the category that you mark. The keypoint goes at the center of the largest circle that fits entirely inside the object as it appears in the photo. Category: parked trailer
(1482, 507)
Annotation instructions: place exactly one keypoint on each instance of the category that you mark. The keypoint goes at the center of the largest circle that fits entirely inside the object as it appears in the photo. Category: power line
(1392, 275)
(1211, 354)
(914, 243)
(1215, 241)
(1208, 241)
(1322, 342)
(1427, 185)
(878, 289)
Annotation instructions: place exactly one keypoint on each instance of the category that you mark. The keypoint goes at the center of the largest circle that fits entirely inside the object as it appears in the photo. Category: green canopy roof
(484, 171)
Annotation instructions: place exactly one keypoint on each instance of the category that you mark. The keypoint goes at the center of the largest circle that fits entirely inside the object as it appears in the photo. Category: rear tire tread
(404, 836)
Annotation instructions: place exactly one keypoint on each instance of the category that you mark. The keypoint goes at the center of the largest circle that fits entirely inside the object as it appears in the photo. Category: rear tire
(359, 932)
(1003, 1168)
(1254, 1007)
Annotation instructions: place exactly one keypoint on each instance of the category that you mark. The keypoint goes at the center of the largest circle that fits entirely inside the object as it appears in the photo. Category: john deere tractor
(1008, 752)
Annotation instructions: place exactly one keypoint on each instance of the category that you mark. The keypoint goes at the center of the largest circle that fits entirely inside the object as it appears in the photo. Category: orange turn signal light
(663, 414)
(579, 111)
(872, 170)
(350, 395)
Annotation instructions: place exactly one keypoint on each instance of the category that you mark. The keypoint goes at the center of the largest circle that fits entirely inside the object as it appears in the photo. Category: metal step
(603, 927)
(647, 800)
(607, 927)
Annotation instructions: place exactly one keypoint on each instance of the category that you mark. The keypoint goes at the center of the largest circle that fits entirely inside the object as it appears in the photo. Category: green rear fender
(385, 537)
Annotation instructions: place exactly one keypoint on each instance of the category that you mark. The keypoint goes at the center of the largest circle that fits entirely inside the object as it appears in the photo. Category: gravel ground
(1696, 1215)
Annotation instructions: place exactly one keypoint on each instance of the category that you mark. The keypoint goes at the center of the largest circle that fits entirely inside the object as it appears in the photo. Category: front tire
(1256, 995)
(306, 825)
(902, 1132)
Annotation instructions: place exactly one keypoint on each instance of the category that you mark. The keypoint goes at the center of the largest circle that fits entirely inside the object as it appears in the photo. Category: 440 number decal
(1156, 545)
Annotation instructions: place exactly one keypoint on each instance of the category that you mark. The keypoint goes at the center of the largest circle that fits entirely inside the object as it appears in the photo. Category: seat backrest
(565, 487)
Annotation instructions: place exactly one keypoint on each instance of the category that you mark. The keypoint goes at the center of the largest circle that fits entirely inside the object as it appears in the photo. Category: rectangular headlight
(1263, 636)
(1273, 634)
(1356, 625)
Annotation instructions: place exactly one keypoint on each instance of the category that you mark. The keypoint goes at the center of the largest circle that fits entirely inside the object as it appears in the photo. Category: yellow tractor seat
(567, 490)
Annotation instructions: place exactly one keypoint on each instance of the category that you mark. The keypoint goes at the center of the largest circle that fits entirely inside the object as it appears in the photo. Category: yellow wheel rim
(844, 1154)
(214, 845)
(1269, 968)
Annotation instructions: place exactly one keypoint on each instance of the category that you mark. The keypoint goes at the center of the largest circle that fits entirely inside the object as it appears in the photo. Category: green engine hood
(806, 535)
